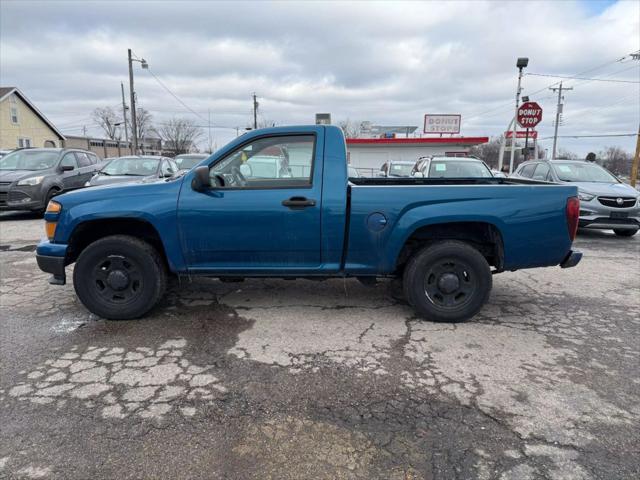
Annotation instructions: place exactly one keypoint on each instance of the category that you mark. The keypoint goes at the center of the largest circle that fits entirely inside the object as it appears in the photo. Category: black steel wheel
(119, 277)
(448, 281)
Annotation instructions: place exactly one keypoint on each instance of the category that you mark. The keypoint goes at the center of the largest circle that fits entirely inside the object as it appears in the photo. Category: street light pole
(134, 122)
(521, 64)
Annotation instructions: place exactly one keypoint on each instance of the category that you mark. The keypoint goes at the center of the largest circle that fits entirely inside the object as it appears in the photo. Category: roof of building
(6, 91)
(418, 141)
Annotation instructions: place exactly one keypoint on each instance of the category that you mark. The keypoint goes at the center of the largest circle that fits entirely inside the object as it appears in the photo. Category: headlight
(32, 180)
(585, 197)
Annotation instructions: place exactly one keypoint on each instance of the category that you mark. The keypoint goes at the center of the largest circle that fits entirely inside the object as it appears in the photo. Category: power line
(594, 136)
(174, 95)
(613, 80)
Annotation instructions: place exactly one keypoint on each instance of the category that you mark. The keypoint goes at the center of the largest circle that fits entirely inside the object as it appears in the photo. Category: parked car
(5, 152)
(30, 177)
(187, 161)
(605, 202)
(451, 167)
(133, 168)
(441, 236)
(396, 168)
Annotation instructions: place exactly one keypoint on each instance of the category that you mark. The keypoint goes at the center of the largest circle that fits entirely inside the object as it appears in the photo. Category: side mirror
(66, 168)
(201, 180)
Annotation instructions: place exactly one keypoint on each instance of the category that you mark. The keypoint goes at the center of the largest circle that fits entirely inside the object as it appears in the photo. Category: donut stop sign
(529, 114)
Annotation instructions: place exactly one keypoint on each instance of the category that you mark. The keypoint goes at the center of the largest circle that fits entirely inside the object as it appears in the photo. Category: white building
(371, 153)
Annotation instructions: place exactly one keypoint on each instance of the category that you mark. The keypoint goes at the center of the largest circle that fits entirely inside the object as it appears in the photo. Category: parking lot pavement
(301, 379)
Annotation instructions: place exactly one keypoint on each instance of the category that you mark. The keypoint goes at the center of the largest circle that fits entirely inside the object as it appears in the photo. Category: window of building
(24, 142)
(14, 114)
(96, 143)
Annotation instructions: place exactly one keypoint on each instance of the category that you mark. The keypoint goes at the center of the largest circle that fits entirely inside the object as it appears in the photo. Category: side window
(527, 170)
(269, 162)
(542, 170)
(93, 157)
(69, 159)
(83, 159)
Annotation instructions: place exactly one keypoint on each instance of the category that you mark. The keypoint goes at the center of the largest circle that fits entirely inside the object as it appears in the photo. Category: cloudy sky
(387, 62)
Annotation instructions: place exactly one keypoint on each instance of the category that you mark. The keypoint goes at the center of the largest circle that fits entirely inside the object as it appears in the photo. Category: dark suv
(30, 177)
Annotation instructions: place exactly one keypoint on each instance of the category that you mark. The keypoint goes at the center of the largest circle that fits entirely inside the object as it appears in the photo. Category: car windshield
(458, 169)
(29, 160)
(132, 166)
(583, 172)
(400, 169)
(188, 162)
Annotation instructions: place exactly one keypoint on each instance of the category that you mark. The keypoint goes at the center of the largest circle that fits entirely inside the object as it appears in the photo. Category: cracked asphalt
(300, 379)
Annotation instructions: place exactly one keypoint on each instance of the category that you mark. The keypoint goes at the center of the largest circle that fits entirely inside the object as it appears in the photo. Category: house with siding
(23, 125)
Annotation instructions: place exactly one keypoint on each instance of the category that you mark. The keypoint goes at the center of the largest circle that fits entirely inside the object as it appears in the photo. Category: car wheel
(448, 281)
(625, 232)
(119, 277)
(50, 194)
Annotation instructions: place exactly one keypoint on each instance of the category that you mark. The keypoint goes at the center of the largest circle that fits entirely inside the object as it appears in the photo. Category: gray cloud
(386, 62)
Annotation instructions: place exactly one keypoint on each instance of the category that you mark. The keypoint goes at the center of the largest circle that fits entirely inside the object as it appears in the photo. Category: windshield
(400, 169)
(458, 169)
(132, 166)
(29, 160)
(583, 172)
(187, 163)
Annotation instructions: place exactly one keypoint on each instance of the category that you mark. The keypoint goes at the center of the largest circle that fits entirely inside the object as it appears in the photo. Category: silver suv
(605, 202)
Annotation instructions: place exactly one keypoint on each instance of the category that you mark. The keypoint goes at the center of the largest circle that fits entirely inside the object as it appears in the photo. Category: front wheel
(624, 232)
(119, 277)
(448, 281)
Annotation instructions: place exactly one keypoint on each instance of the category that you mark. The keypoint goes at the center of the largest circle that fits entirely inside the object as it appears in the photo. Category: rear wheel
(119, 277)
(625, 232)
(448, 281)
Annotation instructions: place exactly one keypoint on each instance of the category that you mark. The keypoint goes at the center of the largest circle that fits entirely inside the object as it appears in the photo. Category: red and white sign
(529, 114)
(533, 134)
(442, 123)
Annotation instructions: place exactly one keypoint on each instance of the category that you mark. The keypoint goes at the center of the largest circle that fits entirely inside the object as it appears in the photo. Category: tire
(625, 232)
(448, 281)
(119, 277)
(50, 194)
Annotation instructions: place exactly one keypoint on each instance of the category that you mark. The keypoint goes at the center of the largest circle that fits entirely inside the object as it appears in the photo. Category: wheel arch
(89, 231)
(483, 235)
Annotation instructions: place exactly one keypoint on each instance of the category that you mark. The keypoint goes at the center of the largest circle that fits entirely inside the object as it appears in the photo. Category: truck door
(262, 213)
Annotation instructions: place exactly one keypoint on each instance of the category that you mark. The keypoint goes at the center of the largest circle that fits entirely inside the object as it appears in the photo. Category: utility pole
(636, 161)
(124, 114)
(559, 89)
(134, 120)
(255, 112)
(521, 64)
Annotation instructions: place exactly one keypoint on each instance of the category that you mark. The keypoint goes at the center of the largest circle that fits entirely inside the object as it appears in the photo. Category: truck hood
(13, 175)
(120, 192)
(606, 189)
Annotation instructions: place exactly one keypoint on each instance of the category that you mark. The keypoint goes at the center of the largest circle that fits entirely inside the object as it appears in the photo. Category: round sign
(529, 114)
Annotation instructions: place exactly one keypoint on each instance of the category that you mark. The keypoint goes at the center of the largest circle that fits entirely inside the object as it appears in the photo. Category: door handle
(296, 203)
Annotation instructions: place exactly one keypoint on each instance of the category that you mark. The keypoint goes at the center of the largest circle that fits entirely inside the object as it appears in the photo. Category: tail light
(573, 215)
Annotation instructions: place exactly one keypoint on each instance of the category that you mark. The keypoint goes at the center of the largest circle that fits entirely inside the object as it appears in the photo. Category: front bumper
(21, 198)
(596, 216)
(572, 259)
(51, 258)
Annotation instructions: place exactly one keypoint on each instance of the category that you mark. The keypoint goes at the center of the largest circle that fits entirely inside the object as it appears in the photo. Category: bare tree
(179, 134)
(109, 122)
(489, 152)
(616, 160)
(350, 129)
(564, 154)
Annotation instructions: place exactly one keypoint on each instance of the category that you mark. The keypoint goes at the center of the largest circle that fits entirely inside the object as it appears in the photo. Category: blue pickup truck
(277, 202)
